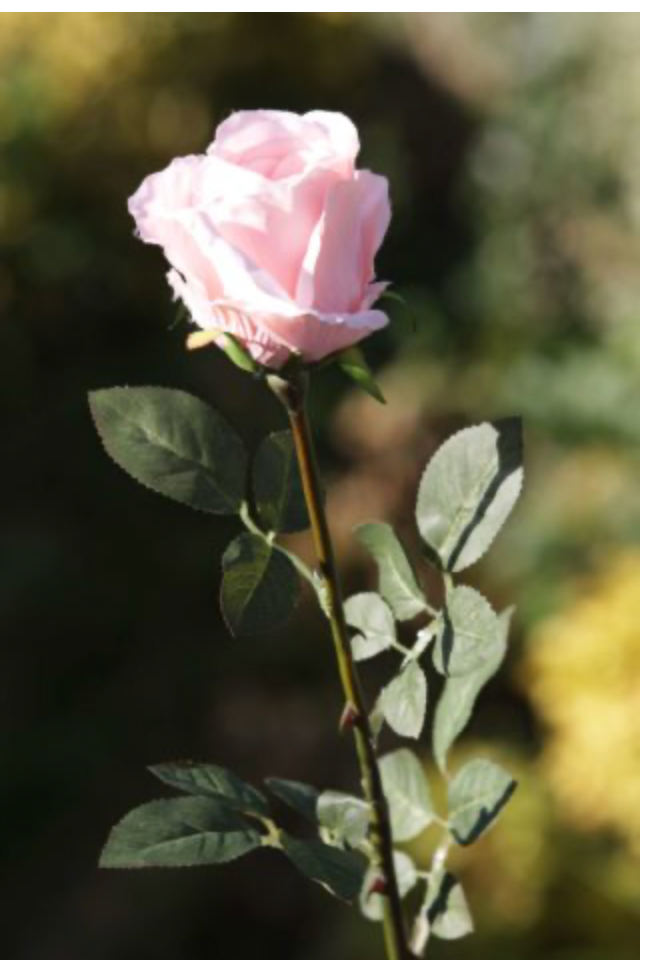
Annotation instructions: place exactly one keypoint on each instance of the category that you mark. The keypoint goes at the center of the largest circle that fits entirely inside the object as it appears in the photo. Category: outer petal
(317, 335)
(160, 208)
(375, 215)
(334, 278)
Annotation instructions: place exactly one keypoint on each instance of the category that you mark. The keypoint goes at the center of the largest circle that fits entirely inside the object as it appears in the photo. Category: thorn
(349, 718)
(379, 885)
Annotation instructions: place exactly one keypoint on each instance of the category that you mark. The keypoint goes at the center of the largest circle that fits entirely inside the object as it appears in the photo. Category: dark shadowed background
(511, 145)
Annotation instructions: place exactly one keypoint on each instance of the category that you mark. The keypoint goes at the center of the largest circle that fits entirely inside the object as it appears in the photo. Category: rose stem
(292, 394)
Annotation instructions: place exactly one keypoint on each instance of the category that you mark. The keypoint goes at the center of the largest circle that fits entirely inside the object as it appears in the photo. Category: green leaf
(408, 794)
(476, 795)
(403, 701)
(458, 697)
(341, 872)
(260, 587)
(398, 584)
(345, 818)
(183, 832)
(353, 363)
(237, 354)
(209, 780)
(469, 634)
(369, 613)
(445, 912)
(299, 796)
(398, 298)
(449, 912)
(469, 489)
(371, 904)
(174, 444)
(277, 485)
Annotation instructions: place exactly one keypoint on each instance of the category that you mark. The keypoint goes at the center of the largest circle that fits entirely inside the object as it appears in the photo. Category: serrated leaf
(371, 904)
(445, 912)
(369, 613)
(341, 872)
(476, 795)
(354, 364)
(408, 794)
(469, 633)
(469, 489)
(458, 697)
(398, 583)
(345, 818)
(277, 485)
(183, 832)
(299, 796)
(260, 587)
(403, 701)
(174, 444)
(209, 780)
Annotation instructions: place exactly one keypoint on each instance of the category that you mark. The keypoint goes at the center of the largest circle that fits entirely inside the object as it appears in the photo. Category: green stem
(293, 396)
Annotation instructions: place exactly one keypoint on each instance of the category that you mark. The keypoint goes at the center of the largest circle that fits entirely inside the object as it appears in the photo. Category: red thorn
(349, 718)
(379, 885)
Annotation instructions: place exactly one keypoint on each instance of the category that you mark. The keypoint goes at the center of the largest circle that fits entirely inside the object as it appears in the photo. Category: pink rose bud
(272, 234)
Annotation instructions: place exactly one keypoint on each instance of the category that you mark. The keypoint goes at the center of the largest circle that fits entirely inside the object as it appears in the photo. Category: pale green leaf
(183, 832)
(260, 587)
(341, 872)
(469, 633)
(345, 818)
(368, 613)
(445, 912)
(469, 489)
(174, 444)
(371, 904)
(408, 794)
(476, 795)
(277, 485)
(398, 583)
(403, 701)
(209, 780)
(458, 697)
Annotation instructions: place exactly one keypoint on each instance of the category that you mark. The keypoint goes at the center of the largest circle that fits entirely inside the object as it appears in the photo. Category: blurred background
(511, 144)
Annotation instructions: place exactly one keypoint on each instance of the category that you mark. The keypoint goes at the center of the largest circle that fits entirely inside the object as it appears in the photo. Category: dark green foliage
(277, 485)
(341, 872)
(300, 796)
(183, 832)
(260, 586)
(209, 780)
(174, 444)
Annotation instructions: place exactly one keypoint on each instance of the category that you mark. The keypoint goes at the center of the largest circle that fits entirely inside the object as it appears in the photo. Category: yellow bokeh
(582, 672)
